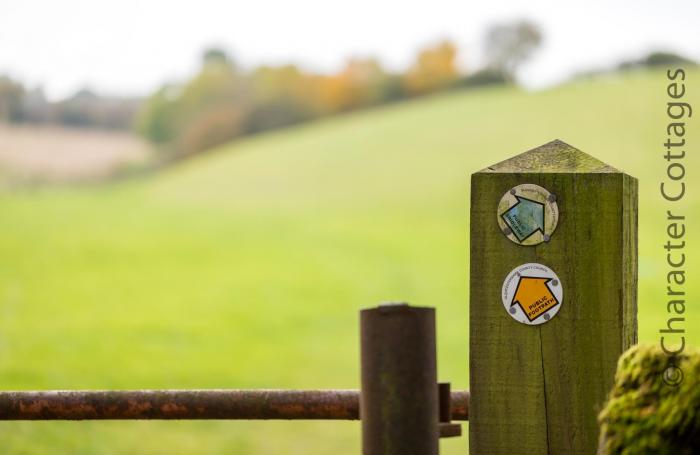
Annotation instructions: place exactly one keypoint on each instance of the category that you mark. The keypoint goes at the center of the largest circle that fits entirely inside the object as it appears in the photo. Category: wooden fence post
(538, 388)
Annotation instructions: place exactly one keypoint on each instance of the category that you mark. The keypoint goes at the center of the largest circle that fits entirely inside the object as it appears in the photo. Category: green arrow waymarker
(528, 214)
(525, 218)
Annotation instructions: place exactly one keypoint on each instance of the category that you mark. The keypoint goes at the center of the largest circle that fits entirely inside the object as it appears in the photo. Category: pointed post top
(553, 157)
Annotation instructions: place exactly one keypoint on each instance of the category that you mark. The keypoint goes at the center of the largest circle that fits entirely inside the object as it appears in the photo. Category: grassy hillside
(246, 267)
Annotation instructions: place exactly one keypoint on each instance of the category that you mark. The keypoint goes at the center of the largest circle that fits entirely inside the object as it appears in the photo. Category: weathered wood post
(550, 309)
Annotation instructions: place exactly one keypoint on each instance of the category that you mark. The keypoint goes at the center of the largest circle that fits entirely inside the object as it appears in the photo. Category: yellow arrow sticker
(532, 294)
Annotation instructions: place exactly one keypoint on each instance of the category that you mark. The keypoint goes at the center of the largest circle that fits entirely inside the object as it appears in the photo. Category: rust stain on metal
(173, 408)
(194, 404)
(134, 407)
(290, 409)
(33, 407)
(459, 404)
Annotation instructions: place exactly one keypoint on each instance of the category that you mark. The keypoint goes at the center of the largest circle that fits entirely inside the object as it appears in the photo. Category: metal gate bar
(193, 404)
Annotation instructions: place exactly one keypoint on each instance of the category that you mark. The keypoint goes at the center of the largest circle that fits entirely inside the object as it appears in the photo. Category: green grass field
(246, 267)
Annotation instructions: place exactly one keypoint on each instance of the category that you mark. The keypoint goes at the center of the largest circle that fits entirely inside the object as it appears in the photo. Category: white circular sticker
(532, 294)
(528, 214)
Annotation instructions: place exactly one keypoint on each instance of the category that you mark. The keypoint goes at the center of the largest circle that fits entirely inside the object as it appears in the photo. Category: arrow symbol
(534, 296)
(525, 218)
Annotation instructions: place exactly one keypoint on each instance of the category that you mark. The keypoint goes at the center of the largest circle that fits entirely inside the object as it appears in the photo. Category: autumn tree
(281, 95)
(362, 82)
(435, 68)
(208, 110)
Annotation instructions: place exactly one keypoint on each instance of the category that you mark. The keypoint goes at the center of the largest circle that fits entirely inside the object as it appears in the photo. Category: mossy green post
(645, 414)
(538, 389)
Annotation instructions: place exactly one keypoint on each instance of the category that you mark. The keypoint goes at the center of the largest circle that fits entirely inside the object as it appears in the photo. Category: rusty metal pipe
(459, 404)
(399, 396)
(193, 404)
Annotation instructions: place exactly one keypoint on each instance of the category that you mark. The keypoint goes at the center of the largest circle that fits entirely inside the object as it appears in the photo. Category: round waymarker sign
(528, 214)
(532, 294)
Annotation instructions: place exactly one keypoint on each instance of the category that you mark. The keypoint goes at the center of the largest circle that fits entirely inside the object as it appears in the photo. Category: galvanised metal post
(399, 394)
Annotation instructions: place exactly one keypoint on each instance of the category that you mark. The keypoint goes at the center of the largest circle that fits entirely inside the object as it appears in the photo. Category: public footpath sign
(552, 298)
(532, 294)
(528, 214)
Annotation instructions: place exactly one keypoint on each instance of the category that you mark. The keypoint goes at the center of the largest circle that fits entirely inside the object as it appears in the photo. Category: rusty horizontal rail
(222, 404)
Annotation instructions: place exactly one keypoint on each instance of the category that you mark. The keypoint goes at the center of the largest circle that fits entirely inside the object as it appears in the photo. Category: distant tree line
(83, 109)
(224, 101)
(657, 59)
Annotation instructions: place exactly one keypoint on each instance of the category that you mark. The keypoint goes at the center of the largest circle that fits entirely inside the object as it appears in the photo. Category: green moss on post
(538, 389)
(646, 414)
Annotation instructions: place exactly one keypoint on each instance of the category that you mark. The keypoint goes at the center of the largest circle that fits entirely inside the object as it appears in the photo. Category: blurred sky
(130, 47)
